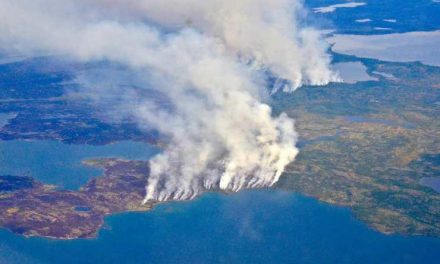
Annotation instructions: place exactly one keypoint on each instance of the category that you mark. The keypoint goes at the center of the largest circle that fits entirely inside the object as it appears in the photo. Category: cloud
(207, 59)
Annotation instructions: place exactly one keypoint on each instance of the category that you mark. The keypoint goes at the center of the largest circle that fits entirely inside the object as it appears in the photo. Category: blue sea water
(60, 164)
(264, 226)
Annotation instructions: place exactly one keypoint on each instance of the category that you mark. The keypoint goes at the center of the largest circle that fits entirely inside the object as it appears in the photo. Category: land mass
(365, 145)
(368, 145)
(34, 209)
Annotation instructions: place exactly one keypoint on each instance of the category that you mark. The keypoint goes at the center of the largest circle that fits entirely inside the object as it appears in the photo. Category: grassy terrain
(367, 146)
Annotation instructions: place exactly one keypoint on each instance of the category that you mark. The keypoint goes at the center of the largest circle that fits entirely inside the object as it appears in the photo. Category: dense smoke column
(209, 59)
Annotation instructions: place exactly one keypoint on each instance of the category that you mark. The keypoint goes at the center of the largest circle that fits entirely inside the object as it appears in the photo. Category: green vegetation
(367, 146)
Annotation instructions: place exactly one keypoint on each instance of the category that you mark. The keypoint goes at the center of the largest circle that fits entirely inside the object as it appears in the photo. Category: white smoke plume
(208, 57)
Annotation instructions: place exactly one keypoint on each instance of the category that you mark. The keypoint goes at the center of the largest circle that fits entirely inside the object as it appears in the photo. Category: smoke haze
(209, 58)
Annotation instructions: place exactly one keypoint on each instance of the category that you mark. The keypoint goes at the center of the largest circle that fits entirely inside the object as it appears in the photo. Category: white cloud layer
(207, 57)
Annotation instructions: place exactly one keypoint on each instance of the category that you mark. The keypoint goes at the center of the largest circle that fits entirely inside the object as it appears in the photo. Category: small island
(34, 209)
